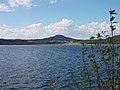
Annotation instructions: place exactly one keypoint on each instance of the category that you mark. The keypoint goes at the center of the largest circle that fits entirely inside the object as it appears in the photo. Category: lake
(37, 67)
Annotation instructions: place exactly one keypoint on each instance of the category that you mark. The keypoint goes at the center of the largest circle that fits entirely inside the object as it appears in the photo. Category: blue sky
(53, 17)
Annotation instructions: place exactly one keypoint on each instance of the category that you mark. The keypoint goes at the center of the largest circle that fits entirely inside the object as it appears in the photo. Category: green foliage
(101, 63)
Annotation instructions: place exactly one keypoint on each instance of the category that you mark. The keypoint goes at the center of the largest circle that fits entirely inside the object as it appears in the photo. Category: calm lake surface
(34, 67)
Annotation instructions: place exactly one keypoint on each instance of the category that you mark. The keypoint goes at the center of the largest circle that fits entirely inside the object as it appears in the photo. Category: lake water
(36, 67)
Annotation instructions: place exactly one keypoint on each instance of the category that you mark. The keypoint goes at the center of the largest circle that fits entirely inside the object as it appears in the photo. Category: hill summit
(60, 38)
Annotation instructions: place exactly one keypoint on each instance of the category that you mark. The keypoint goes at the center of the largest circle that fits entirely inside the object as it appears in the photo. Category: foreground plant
(103, 61)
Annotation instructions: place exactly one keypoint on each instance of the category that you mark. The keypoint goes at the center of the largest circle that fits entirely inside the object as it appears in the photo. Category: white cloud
(15, 3)
(91, 29)
(53, 1)
(64, 22)
(11, 4)
(4, 8)
(27, 32)
(35, 25)
(60, 27)
(64, 27)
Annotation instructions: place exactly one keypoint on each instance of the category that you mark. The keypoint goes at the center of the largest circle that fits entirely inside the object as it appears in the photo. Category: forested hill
(58, 39)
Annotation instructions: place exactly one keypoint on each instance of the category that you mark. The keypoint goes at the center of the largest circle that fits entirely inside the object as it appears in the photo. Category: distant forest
(58, 39)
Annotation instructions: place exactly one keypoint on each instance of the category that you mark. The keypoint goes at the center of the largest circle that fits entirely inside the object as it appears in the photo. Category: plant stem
(113, 61)
(96, 70)
(85, 66)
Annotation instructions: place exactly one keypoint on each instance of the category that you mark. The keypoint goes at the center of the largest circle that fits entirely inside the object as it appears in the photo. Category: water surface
(34, 67)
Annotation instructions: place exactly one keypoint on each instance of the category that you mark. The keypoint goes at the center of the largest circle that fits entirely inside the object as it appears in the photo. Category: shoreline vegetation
(58, 39)
(101, 63)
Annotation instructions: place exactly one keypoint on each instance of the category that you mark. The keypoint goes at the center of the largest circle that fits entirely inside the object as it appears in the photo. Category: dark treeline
(58, 39)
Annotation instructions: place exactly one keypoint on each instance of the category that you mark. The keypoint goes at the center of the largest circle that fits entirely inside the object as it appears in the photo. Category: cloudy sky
(34, 19)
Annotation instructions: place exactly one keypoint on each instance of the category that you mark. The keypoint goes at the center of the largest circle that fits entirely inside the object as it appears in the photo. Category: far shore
(51, 44)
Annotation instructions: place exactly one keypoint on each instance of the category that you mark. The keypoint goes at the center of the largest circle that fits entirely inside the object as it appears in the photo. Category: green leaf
(112, 18)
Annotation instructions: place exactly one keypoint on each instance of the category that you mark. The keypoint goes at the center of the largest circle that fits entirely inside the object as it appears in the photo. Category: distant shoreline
(58, 39)
(47, 44)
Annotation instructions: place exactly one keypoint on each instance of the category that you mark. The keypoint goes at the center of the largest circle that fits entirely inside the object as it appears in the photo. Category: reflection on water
(36, 67)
